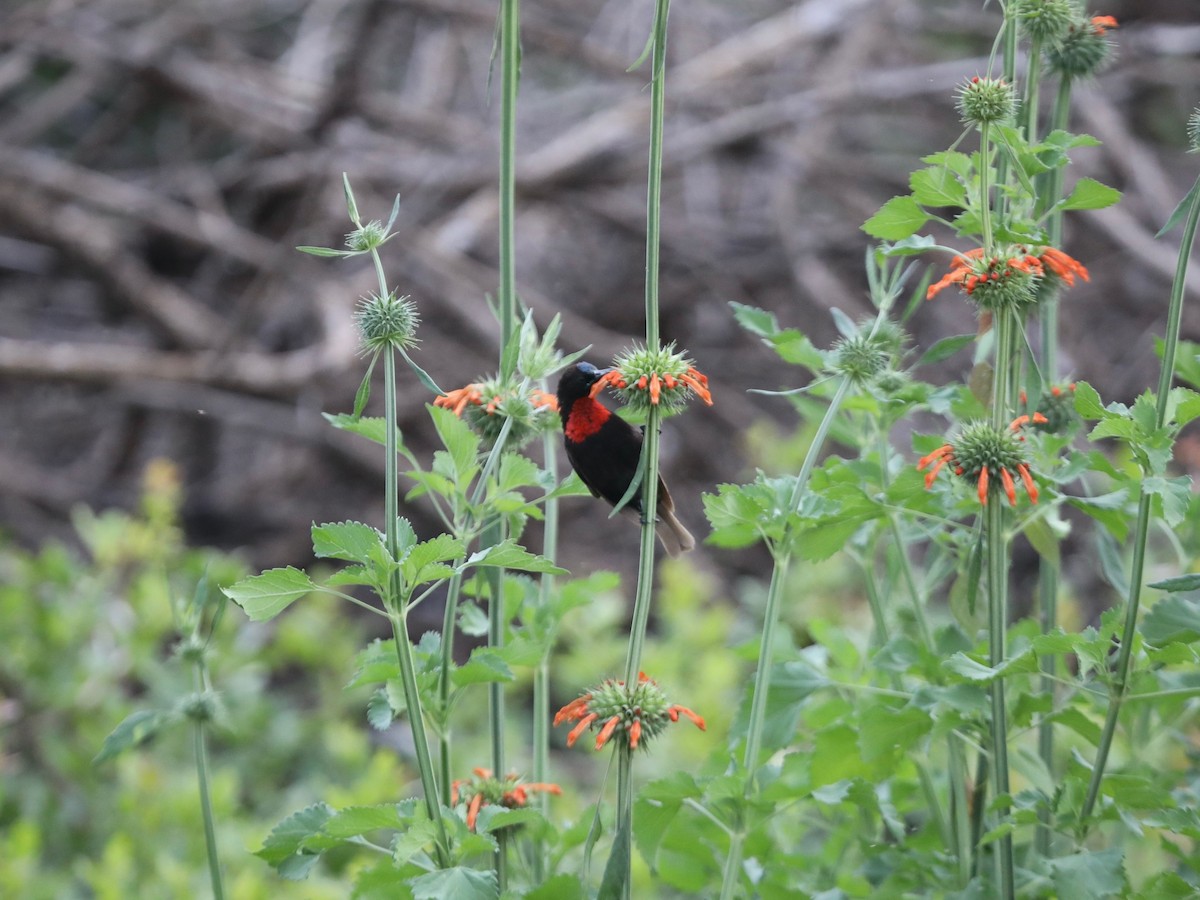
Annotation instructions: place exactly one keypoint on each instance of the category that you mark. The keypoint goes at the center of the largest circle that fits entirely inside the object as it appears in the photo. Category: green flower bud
(1044, 20)
(986, 101)
(389, 321)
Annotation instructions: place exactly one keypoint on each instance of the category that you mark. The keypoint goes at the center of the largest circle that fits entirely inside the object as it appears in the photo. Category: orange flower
(1065, 267)
(457, 400)
(485, 790)
(639, 713)
(981, 452)
(1101, 24)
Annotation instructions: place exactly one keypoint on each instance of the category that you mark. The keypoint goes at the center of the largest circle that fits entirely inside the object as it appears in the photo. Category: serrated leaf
(887, 733)
(897, 219)
(461, 443)
(351, 541)
(265, 596)
(1189, 582)
(484, 666)
(472, 620)
(509, 555)
(373, 428)
(284, 847)
(355, 820)
(1087, 402)
(1090, 194)
(136, 729)
(1172, 619)
(1089, 876)
(937, 186)
(493, 818)
(459, 883)
(420, 564)
(379, 710)
(558, 887)
(757, 321)
(418, 835)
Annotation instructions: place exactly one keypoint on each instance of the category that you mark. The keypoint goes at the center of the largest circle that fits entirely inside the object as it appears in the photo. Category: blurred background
(160, 161)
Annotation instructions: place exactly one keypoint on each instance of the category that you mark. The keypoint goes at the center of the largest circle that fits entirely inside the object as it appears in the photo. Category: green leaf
(973, 670)
(897, 219)
(1087, 402)
(1172, 619)
(509, 555)
(420, 564)
(1089, 876)
(352, 541)
(351, 206)
(328, 251)
(558, 887)
(792, 683)
(945, 348)
(373, 428)
(137, 729)
(1077, 721)
(1090, 194)
(1181, 211)
(617, 869)
(485, 665)
(459, 883)
(420, 834)
(885, 732)
(284, 847)
(656, 807)
(265, 596)
(363, 394)
(1188, 582)
(356, 820)
(937, 186)
(460, 442)
(379, 710)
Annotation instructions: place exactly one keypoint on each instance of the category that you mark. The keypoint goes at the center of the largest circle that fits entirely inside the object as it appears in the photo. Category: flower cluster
(1007, 280)
(981, 452)
(484, 789)
(661, 378)
(634, 714)
(1084, 50)
(486, 405)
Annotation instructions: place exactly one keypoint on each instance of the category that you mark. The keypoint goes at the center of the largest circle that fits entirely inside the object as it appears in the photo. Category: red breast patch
(585, 419)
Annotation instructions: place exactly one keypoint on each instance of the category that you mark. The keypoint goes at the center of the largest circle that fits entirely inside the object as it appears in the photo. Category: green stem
(658, 90)
(206, 810)
(985, 188)
(394, 602)
(416, 720)
(1142, 528)
(449, 628)
(645, 583)
(541, 674)
(510, 61)
(625, 812)
(493, 534)
(1032, 84)
(997, 576)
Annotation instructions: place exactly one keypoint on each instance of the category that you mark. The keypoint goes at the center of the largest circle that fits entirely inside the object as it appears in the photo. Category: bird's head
(575, 382)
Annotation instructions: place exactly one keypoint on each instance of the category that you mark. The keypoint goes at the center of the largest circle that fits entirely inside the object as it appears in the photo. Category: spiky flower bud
(868, 352)
(200, 707)
(986, 101)
(366, 237)
(389, 321)
(1193, 131)
(1083, 50)
(1044, 20)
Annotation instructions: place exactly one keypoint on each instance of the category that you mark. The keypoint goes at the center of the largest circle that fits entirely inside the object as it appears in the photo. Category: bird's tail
(674, 537)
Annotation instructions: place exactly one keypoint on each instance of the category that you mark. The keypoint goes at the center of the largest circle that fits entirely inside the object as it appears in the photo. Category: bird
(604, 450)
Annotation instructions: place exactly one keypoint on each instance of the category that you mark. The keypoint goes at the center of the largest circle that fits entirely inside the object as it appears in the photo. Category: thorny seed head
(868, 352)
(389, 321)
(1193, 131)
(1044, 20)
(1084, 50)
(986, 101)
(200, 707)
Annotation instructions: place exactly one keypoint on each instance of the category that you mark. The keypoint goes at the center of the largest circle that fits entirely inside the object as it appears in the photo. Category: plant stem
(449, 626)
(1032, 83)
(1142, 528)
(658, 89)
(394, 602)
(206, 810)
(985, 189)
(541, 674)
(510, 61)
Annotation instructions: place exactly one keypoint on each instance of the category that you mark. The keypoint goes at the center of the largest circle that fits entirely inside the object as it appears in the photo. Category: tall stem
(1142, 528)
(510, 61)
(206, 810)
(541, 674)
(449, 626)
(394, 601)
(985, 188)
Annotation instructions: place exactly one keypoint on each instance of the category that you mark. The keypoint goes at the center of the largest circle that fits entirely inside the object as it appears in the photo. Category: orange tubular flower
(485, 790)
(659, 378)
(634, 715)
(457, 400)
(1010, 278)
(986, 457)
(1065, 267)
(1101, 24)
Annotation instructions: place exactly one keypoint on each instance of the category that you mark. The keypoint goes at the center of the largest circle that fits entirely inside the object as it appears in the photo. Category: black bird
(604, 451)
